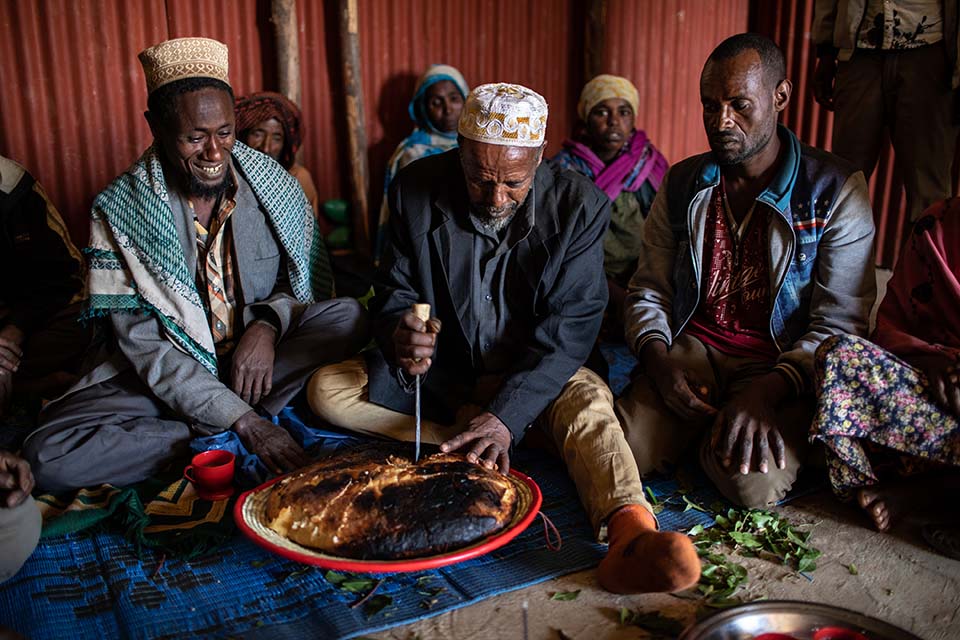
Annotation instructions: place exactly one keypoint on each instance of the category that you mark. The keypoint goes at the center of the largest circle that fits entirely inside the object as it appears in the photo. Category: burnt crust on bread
(374, 503)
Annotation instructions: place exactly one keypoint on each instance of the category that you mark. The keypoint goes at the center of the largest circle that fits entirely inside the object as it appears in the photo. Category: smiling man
(623, 163)
(508, 253)
(213, 287)
(753, 254)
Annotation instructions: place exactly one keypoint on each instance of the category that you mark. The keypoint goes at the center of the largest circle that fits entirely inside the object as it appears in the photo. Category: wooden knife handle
(422, 311)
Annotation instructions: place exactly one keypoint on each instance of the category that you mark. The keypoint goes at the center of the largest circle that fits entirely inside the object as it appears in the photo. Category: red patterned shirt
(734, 311)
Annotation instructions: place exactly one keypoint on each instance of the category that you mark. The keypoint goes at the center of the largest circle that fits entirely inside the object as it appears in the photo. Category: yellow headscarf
(604, 87)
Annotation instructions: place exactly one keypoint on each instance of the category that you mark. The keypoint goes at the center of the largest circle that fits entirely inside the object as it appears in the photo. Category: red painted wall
(74, 95)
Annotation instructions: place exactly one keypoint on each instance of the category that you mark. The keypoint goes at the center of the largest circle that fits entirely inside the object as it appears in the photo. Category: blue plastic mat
(621, 363)
(93, 586)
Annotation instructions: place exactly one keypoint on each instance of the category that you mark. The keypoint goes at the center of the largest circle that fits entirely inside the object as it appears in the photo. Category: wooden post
(286, 28)
(356, 124)
(594, 39)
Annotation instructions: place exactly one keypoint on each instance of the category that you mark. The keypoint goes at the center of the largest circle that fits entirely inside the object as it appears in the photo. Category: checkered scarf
(136, 261)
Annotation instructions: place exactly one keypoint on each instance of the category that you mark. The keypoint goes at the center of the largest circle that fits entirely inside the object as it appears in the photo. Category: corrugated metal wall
(662, 46)
(487, 41)
(789, 23)
(72, 109)
(72, 101)
(76, 120)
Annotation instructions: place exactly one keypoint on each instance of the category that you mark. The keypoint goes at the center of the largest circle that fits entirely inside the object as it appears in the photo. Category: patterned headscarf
(418, 108)
(604, 87)
(260, 107)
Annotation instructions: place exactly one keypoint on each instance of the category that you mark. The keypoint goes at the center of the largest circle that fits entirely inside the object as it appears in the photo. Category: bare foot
(917, 498)
(873, 501)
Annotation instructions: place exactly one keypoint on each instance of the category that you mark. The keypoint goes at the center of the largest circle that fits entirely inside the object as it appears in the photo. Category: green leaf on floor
(428, 604)
(650, 494)
(296, 574)
(652, 622)
(335, 578)
(357, 585)
(565, 596)
(376, 604)
(852, 568)
(692, 505)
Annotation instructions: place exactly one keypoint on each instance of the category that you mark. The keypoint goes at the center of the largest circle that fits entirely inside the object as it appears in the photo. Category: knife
(422, 311)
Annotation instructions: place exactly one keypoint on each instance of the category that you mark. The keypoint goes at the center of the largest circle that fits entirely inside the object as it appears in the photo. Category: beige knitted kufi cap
(184, 58)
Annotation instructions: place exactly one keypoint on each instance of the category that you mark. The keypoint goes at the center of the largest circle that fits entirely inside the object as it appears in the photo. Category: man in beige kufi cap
(213, 285)
(508, 253)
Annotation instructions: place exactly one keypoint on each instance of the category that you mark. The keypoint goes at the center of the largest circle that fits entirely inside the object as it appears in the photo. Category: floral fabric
(874, 410)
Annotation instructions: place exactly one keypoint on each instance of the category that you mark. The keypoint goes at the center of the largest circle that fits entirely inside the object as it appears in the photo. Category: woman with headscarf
(270, 123)
(888, 410)
(435, 108)
(624, 164)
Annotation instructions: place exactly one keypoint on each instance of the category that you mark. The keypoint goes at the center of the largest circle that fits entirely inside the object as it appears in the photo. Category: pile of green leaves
(754, 534)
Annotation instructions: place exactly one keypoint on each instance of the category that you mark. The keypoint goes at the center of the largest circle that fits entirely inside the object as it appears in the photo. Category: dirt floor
(899, 580)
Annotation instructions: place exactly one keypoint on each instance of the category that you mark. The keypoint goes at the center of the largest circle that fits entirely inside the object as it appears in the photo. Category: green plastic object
(336, 211)
(339, 238)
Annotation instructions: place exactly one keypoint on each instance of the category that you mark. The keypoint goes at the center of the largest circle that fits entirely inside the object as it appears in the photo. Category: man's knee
(754, 490)
(49, 471)
(333, 389)
(19, 534)
(343, 316)
(585, 390)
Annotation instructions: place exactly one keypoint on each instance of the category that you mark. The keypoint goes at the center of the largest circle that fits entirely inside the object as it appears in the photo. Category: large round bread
(374, 503)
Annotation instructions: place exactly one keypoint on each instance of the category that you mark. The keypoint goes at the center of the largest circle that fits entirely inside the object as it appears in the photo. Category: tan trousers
(657, 436)
(581, 423)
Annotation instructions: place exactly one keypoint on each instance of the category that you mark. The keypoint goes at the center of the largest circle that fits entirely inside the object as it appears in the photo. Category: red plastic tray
(293, 551)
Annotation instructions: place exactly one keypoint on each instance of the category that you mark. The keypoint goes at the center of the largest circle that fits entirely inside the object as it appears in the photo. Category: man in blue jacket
(753, 254)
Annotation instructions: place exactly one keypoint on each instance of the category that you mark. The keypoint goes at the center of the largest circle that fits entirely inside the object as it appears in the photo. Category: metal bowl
(799, 620)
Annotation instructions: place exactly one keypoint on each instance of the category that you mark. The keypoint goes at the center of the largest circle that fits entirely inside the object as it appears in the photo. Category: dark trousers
(908, 94)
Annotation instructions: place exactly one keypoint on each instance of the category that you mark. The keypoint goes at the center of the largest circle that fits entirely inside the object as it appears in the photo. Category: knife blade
(422, 311)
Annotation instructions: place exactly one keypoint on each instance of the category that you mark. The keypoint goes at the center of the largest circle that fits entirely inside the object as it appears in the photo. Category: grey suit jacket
(176, 378)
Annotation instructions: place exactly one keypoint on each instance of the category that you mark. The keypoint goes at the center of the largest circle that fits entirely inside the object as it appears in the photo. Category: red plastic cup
(211, 472)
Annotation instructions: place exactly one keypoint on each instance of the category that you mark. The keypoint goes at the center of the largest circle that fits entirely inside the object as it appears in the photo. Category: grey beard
(496, 225)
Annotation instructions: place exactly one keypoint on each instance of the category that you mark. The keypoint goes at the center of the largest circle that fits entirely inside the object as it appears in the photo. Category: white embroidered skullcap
(504, 114)
(184, 58)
